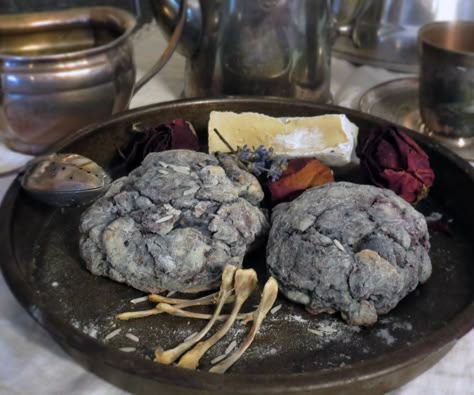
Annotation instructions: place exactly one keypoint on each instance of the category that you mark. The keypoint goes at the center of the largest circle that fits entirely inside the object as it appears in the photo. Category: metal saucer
(389, 56)
(397, 102)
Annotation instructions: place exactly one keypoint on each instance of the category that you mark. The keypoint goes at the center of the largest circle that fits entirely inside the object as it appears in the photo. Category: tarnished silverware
(64, 179)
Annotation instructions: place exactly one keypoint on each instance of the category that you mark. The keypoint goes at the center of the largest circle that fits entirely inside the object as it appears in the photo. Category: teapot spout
(166, 13)
(346, 14)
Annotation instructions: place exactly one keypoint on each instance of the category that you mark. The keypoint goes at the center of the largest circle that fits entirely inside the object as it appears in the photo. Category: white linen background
(31, 362)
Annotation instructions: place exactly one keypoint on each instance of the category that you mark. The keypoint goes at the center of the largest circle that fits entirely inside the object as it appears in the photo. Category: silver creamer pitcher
(61, 70)
(258, 47)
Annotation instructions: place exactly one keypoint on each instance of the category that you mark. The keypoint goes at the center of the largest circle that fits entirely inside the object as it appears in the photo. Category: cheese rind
(330, 138)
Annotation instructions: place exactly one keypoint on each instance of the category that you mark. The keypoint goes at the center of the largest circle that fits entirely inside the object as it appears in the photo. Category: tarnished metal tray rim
(436, 344)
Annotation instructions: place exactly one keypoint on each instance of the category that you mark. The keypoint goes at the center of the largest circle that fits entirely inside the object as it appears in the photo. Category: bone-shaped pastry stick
(129, 315)
(207, 299)
(245, 281)
(178, 304)
(174, 310)
(169, 356)
(269, 294)
(164, 299)
(179, 312)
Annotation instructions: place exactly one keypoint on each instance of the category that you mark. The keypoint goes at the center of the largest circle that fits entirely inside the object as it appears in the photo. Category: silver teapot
(258, 47)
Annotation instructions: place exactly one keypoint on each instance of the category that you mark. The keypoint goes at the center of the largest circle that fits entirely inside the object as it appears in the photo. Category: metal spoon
(63, 180)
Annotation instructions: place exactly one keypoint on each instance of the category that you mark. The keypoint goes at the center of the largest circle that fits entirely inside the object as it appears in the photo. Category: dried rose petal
(300, 175)
(393, 160)
(177, 134)
(183, 135)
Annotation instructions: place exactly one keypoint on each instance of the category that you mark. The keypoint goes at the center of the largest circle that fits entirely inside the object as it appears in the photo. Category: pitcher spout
(167, 15)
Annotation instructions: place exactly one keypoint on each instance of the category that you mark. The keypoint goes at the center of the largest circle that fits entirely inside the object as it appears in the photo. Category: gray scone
(174, 222)
(356, 249)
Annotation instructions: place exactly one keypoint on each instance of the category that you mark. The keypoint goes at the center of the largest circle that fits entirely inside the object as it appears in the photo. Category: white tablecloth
(31, 363)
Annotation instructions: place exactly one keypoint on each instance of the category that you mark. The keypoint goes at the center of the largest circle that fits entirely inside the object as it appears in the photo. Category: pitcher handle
(169, 50)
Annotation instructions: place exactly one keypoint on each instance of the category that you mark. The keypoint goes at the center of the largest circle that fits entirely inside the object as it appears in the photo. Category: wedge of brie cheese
(330, 138)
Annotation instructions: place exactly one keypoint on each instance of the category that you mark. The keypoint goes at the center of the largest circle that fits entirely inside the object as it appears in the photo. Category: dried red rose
(300, 175)
(177, 134)
(393, 160)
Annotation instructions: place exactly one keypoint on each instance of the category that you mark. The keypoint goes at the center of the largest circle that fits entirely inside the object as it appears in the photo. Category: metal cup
(446, 92)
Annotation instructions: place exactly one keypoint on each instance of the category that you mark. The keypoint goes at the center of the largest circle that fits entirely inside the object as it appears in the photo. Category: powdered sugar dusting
(396, 324)
(89, 328)
(386, 336)
(75, 324)
(296, 318)
(272, 351)
(406, 326)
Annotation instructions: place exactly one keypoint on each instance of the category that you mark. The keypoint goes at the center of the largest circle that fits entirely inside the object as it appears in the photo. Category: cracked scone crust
(174, 222)
(356, 249)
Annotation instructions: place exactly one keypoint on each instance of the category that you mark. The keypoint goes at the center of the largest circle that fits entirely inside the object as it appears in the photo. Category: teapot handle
(169, 50)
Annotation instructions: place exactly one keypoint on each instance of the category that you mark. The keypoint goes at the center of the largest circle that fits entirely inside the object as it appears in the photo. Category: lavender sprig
(258, 161)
